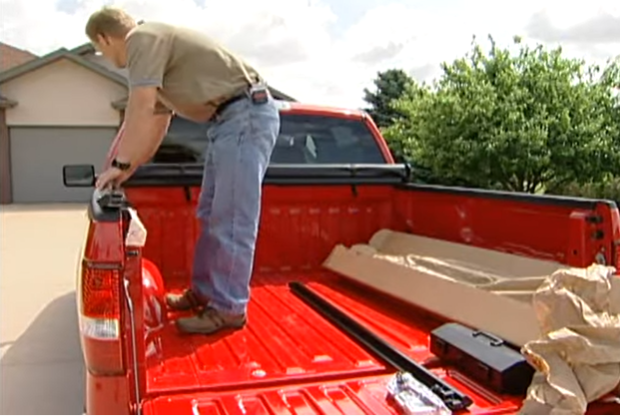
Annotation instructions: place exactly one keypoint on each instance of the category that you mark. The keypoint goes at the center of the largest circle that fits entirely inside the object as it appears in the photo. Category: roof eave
(55, 56)
(19, 70)
(83, 49)
(120, 104)
(280, 95)
(7, 102)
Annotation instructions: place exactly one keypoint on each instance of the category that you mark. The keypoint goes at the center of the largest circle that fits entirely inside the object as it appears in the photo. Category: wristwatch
(120, 165)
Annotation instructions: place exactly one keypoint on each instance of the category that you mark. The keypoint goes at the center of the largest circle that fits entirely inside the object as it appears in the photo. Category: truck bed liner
(285, 340)
(290, 360)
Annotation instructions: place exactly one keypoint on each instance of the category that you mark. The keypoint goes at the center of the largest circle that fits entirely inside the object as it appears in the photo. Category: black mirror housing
(78, 176)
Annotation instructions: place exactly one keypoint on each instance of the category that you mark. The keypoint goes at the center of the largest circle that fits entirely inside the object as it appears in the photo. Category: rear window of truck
(303, 139)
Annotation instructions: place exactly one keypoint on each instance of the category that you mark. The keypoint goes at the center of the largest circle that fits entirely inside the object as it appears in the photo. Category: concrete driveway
(41, 362)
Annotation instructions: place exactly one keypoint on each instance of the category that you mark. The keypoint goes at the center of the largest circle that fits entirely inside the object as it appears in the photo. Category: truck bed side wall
(299, 227)
(566, 230)
(301, 224)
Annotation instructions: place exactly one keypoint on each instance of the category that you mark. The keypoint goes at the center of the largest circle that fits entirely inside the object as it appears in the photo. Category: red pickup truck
(332, 181)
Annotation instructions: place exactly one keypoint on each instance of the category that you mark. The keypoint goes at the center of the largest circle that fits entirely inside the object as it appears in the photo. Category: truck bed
(289, 359)
(288, 345)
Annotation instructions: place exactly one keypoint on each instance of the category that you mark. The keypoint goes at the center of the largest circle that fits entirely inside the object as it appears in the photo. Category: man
(174, 69)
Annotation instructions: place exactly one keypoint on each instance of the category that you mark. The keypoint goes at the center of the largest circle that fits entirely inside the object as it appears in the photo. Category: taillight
(100, 317)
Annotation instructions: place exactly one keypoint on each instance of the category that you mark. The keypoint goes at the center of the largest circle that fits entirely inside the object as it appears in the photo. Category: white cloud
(293, 42)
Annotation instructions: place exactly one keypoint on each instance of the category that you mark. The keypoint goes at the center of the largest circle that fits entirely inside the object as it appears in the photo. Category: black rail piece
(453, 398)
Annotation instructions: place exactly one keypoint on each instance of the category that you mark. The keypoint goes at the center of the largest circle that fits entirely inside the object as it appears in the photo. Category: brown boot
(185, 301)
(210, 321)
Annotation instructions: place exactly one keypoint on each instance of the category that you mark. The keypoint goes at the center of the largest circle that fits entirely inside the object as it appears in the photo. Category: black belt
(220, 108)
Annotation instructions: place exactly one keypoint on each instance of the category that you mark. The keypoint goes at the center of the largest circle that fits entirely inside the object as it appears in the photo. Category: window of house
(303, 139)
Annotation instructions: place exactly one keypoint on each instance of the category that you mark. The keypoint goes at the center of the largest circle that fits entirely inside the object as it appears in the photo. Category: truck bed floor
(285, 339)
(286, 343)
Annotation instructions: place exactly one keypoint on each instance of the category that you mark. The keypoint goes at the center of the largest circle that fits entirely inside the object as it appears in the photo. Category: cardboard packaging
(483, 289)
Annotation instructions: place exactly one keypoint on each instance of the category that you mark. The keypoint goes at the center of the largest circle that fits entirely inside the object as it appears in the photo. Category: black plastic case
(482, 357)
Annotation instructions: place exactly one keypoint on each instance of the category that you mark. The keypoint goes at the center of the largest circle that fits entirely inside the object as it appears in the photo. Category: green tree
(521, 121)
(607, 188)
(389, 85)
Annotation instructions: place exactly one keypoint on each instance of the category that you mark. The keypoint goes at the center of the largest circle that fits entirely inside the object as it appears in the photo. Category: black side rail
(187, 174)
(190, 174)
(453, 398)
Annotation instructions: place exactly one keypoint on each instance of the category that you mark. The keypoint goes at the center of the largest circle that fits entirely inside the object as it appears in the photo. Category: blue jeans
(241, 141)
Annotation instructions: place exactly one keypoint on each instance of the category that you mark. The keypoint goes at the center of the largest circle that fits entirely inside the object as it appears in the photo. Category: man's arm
(145, 127)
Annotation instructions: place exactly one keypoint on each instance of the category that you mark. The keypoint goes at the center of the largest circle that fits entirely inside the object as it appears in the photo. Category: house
(58, 109)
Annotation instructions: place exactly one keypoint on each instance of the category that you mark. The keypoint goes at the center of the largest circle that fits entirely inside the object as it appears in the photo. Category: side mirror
(78, 176)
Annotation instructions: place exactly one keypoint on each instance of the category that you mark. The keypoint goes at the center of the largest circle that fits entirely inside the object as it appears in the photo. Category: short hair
(109, 21)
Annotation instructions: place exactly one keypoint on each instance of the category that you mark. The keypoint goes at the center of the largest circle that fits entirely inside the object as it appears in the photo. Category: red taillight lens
(100, 317)
(101, 292)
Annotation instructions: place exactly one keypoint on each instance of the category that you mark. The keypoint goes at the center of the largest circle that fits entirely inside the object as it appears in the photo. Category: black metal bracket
(112, 199)
(453, 398)
(188, 193)
(594, 219)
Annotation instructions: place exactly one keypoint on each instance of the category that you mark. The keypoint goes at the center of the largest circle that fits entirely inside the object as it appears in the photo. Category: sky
(328, 51)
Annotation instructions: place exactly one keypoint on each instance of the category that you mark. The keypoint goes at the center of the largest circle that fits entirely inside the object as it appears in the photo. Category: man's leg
(195, 298)
(243, 141)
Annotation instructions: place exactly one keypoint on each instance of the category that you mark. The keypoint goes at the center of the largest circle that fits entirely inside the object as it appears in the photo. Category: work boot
(185, 301)
(210, 321)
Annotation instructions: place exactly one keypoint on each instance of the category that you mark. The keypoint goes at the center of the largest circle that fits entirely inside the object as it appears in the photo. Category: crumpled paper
(137, 233)
(578, 358)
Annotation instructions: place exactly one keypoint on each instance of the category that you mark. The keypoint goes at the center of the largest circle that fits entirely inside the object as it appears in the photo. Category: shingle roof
(11, 57)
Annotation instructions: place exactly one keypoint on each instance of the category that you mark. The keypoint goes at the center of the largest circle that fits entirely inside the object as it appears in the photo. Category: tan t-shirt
(194, 74)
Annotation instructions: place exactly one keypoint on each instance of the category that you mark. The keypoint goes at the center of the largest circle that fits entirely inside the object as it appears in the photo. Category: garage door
(39, 153)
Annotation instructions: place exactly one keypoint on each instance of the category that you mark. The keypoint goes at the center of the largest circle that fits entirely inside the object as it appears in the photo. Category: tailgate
(352, 397)
(348, 397)
(360, 396)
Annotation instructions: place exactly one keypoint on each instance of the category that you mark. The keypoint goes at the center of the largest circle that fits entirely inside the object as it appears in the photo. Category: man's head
(107, 29)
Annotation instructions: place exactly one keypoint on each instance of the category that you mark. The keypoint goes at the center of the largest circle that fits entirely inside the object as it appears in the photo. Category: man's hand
(112, 178)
